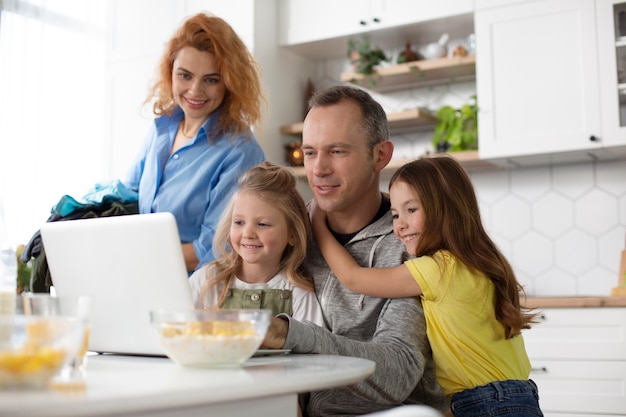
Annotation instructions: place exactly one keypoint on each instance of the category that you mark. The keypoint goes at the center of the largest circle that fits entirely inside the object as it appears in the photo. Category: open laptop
(129, 265)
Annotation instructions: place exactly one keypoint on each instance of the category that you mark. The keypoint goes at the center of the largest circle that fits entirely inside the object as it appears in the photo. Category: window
(52, 106)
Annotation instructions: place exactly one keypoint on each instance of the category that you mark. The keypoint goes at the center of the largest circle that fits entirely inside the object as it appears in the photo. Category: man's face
(337, 161)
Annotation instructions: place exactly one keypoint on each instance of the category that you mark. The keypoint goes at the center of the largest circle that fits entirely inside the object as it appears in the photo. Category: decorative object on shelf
(471, 44)
(295, 157)
(459, 51)
(457, 128)
(437, 49)
(364, 57)
(408, 55)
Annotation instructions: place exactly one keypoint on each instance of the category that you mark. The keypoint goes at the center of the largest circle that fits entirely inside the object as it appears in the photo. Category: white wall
(51, 106)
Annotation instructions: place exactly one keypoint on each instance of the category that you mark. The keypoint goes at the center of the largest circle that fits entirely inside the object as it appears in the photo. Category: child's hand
(276, 334)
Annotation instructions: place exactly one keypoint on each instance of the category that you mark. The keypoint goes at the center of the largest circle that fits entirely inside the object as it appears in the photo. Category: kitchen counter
(546, 302)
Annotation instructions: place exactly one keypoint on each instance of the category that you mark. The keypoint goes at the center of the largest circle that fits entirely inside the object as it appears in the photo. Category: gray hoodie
(390, 332)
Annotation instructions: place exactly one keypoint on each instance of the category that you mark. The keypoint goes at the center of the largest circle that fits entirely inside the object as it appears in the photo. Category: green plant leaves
(365, 56)
(457, 127)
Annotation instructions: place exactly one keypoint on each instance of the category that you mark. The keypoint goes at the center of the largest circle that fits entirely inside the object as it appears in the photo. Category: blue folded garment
(102, 193)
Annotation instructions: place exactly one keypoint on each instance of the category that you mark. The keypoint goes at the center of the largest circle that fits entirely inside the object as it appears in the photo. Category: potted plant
(457, 128)
(23, 272)
(364, 57)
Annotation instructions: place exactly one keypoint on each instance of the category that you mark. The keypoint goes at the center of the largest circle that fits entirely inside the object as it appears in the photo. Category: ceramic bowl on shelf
(211, 338)
(33, 349)
(437, 49)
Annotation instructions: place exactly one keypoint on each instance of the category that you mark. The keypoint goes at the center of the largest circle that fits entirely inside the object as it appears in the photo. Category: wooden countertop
(545, 302)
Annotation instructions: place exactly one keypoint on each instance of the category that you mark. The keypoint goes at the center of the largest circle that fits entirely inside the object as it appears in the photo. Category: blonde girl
(260, 245)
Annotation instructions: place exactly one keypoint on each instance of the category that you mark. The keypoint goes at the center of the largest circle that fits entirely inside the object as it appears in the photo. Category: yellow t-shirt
(468, 343)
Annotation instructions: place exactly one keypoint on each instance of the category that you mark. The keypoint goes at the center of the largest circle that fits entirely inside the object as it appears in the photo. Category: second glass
(43, 304)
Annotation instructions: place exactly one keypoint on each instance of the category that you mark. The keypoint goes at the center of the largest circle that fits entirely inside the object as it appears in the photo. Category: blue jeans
(499, 398)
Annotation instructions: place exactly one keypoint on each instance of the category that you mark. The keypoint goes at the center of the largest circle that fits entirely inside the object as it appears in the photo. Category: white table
(156, 387)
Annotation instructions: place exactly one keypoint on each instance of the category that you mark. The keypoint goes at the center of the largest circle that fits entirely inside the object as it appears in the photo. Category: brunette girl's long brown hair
(452, 222)
(276, 185)
(240, 73)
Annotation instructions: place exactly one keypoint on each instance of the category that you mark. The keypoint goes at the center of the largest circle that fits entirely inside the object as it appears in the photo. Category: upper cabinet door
(537, 78)
(309, 21)
(611, 16)
(402, 12)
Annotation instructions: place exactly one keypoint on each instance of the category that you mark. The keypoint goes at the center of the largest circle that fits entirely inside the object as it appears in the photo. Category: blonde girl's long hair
(453, 223)
(276, 185)
(240, 72)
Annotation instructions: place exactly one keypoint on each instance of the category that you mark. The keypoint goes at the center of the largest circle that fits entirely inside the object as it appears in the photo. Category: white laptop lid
(129, 265)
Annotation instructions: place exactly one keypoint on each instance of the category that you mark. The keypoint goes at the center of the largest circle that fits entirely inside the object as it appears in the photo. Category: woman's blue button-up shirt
(196, 182)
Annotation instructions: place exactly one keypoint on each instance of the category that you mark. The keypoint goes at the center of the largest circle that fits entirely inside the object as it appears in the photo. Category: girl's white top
(304, 303)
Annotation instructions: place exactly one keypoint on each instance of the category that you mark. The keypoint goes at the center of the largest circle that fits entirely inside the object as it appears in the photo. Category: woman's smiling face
(196, 83)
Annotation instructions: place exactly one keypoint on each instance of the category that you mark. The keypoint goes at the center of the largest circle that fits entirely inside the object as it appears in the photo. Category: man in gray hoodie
(346, 145)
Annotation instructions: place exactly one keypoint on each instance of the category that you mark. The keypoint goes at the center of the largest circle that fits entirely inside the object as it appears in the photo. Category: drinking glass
(80, 306)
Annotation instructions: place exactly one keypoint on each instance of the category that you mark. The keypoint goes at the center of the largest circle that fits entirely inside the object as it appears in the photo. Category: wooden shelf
(292, 129)
(430, 71)
(469, 160)
(412, 119)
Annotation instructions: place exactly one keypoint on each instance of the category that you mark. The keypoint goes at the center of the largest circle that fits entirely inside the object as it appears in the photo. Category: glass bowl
(211, 338)
(33, 349)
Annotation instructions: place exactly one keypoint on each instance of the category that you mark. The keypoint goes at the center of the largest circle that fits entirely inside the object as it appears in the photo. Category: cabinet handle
(542, 317)
(376, 20)
(542, 369)
(362, 22)
(594, 138)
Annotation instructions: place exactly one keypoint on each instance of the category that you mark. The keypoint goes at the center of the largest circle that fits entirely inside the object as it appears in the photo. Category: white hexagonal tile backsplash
(562, 227)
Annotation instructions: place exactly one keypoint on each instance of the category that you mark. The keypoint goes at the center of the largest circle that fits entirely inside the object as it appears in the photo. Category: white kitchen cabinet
(612, 55)
(304, 22)
(402, 12)
(537, 85)
(310, 21)
(485, 4)
(578, 358)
